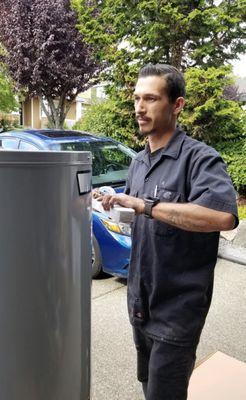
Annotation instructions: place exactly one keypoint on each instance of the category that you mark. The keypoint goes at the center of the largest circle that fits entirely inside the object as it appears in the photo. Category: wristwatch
(149, 203)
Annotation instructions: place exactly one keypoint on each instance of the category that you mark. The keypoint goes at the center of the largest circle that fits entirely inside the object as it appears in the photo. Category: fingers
(108, 201)
(96, 194)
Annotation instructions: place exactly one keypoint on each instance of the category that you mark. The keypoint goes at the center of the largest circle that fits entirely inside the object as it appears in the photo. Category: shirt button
(146, 179)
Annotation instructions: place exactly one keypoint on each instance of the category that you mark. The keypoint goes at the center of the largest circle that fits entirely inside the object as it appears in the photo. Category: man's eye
(151, 99)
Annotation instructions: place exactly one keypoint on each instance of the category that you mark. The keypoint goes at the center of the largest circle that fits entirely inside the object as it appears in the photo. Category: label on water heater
(84, 181)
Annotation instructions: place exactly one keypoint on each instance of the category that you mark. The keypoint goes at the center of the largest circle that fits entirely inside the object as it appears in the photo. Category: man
(182, 197)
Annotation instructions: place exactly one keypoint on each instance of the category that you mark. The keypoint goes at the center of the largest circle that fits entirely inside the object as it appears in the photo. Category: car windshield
(110, 160)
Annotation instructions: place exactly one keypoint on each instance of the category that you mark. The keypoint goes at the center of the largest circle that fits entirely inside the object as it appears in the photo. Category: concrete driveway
(113, 353)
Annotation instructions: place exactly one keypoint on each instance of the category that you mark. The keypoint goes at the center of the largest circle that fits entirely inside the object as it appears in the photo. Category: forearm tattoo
(178, 219)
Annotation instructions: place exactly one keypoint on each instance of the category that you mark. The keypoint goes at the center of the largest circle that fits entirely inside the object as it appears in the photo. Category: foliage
(234, 154)
(46, 53)
(193, 35)
(8, 122)
(8, 101)
(106, 118)
(196, 36)
(182, 33)
(208, 115)
(242, 212)
(231, 92)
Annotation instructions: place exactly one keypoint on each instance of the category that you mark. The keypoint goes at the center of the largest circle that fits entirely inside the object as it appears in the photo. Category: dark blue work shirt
(171, 270)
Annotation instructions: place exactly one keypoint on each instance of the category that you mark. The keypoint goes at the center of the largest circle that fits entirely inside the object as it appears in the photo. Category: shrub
(242, 212)
(108, 119)
(8, 122)
(234, 154)
(208, 114)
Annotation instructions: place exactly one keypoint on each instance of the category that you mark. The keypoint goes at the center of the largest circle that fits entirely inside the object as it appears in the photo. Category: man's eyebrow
(146, 94)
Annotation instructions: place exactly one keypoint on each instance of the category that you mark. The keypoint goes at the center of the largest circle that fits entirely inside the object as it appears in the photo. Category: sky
(239, 66)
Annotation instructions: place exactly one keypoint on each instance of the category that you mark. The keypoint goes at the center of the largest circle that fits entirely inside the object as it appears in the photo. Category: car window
(110, 160)
(27, 146)
(9, 143)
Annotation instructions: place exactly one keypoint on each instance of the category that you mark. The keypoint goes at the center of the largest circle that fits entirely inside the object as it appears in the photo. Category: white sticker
(84, 181)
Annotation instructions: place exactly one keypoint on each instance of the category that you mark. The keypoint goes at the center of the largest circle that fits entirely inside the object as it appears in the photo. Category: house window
(100, 93)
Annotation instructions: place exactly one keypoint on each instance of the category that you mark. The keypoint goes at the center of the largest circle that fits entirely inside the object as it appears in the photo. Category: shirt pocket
(160, 228)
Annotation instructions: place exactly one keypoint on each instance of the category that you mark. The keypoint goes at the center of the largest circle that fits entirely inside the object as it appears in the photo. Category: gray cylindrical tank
(45, 275)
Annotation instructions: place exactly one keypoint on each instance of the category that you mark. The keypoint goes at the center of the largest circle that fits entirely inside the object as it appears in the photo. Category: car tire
(96, 259)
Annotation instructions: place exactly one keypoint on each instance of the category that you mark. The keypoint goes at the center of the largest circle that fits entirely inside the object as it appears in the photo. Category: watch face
(153, 200)
(149, 201)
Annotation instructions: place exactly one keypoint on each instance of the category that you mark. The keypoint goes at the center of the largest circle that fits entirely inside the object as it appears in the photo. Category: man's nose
(140, 106)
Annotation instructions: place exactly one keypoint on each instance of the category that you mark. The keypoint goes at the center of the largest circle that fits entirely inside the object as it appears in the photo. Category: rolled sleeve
(210, 184)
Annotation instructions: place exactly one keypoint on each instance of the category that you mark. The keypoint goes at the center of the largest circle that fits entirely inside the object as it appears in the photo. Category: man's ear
(178, 105)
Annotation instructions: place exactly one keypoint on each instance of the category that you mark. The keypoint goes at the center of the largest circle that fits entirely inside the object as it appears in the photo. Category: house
(241, 84)
(34, 117)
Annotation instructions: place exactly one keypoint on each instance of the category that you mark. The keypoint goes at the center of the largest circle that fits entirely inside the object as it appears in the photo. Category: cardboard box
(116, 213)
(219, 377)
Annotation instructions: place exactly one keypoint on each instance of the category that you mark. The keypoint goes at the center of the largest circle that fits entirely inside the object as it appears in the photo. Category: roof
(55, 135)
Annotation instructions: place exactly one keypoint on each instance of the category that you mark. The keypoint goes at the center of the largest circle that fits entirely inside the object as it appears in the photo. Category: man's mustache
(142, 117)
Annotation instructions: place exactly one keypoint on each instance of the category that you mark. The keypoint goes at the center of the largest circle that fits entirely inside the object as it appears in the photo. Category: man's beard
(147, 133)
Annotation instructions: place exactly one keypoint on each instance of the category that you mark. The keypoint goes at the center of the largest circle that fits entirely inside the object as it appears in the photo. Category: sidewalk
(113, 353)
(232, 245)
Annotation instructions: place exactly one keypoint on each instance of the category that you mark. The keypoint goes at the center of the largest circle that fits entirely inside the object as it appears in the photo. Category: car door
(9, 143)
(25, 146)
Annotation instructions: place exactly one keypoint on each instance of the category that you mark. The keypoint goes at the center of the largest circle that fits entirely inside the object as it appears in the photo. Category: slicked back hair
(175, 83)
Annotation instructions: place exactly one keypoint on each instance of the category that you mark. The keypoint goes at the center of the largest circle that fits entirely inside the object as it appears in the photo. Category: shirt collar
(173, 147)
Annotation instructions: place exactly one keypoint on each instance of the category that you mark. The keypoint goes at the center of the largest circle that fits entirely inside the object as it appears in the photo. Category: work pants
(163, 368)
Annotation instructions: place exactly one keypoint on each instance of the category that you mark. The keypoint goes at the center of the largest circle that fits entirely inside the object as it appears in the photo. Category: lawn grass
(242, 212)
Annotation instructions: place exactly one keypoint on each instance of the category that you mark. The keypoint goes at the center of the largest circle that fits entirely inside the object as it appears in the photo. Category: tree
(208, 115)
(184, 33)
(231, 92)
(46, 54)
(233, 153)
(187, 34)
(8, 101)
(108, 119)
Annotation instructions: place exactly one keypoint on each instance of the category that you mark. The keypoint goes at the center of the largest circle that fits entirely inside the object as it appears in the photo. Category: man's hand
(121, 199)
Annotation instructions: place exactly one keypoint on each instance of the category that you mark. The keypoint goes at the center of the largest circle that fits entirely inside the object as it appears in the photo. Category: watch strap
(149, 203)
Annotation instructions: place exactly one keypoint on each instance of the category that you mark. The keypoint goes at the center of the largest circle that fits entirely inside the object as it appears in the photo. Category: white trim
(32, 113)
(40, 110)
(70, 122)
(78, 113)
(23, 113)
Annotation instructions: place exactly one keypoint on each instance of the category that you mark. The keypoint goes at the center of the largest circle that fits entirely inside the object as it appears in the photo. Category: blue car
(111, 242)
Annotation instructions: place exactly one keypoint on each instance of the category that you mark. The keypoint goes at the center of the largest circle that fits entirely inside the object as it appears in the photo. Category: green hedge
(108, 119)
(234, 154)
(242, 212)
(208, 115)
(8, 122)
